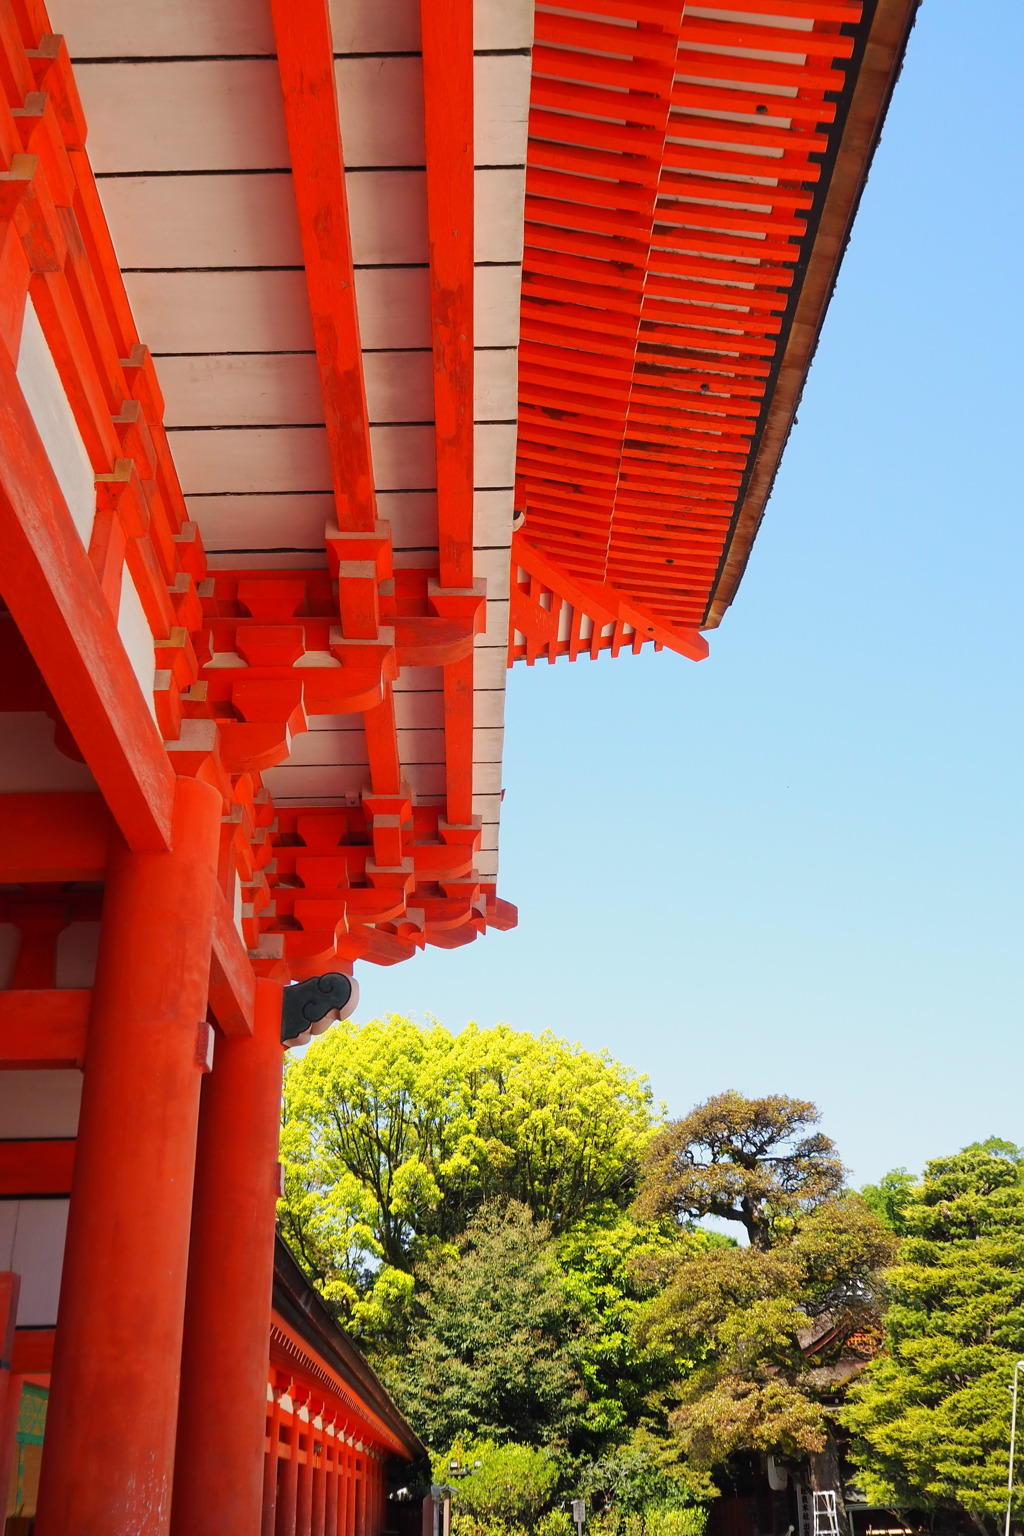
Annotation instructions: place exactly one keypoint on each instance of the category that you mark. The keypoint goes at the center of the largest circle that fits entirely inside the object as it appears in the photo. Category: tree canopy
(752, 1161)
(395, 1135)
(930, 1419)
(765, 1329)
(493, 1353)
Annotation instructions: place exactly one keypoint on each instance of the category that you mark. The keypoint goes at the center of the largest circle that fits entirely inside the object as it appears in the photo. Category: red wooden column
(320, 1474)
(333, 1482)
(108, 1460)
(349, 1524)
(10, 1287)
(371, 1497)
(288, 1498)
(269, 1511)
(304, 1507)
(218, 1476)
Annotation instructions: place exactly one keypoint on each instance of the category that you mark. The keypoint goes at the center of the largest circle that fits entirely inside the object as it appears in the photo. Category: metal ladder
(826, 1519)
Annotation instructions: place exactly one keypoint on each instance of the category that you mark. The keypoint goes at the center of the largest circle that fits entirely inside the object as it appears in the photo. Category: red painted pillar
(333, 1479)
(304, 1507)
(320, 1474)
(10, 1287)
(218, 1475)
(108, 1459)
(270, 1464)
(287, 1501)
(347, 1524)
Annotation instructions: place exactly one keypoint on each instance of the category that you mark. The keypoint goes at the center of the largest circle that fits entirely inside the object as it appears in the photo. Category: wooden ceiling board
(499, 215)
(214, 312)
(394, 307)
(167, 222)
(257, 459)
(258, 521)
(243, 389)
(503, 24)
(125, 29)
(422, 710)
(186, 115)
(497, 292)
(388, 210)
(370, 26)
(495, 454)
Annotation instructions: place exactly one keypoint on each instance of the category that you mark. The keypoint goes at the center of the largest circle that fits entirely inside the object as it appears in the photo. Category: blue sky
(796, 866)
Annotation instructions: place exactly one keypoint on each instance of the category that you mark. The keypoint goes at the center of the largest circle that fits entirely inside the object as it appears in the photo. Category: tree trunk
(825, 1477)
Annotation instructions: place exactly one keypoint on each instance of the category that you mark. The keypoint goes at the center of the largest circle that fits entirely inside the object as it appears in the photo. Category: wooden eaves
(878, 71)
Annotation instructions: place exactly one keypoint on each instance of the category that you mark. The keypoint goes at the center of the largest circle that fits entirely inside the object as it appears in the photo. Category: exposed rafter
(305, 61)
(447, 33)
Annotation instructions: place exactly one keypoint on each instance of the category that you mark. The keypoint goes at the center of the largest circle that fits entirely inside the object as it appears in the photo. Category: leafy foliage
(637, 1476)
(772, 1327)
(890, 1197)
(395, 1135)
(930, 1420)
(763, 1328)
(607, 1260)
(494, 1352)
(509, 1484)
(752, 1161)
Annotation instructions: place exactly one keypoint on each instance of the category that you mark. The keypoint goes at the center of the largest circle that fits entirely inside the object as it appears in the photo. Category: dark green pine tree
(930, 1420)
(494, 1354)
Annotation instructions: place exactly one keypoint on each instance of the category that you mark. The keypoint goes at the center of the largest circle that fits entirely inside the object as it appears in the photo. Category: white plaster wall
(39, 1106)
(32, 1234)
(77, 948)
(29, 760)
(137, 637)
(55, 423)
(10, 942)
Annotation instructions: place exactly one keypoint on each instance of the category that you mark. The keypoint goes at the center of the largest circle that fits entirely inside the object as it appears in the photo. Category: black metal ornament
(308, 1003)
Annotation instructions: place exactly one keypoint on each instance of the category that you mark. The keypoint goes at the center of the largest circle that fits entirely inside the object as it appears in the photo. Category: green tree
(610, 1262)
(638, 1476)
(890, 1197)
(930, 1419)
(395, 1134)
(764, 1330)
(494, 1351)
(509, 1485)
(752, 1161)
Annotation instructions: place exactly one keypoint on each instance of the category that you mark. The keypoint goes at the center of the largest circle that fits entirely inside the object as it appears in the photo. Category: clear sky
(796, 867)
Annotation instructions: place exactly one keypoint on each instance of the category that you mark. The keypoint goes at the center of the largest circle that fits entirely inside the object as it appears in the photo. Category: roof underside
(317, 212)
(691, 177)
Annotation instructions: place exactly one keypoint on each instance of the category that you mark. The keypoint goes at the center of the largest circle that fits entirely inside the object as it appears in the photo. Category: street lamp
(1013, 1445)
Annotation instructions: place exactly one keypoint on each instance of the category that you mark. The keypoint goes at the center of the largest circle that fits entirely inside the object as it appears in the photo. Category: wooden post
(218, 1475)
(333, 1481)
(288, 1499)
(320, 1474)
(304, 1506)
(108, 1458)
(10, 1286)
(350, 1490)
(270, 1463)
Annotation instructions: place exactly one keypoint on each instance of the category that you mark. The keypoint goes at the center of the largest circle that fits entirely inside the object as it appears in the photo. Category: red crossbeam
(43, 1029)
